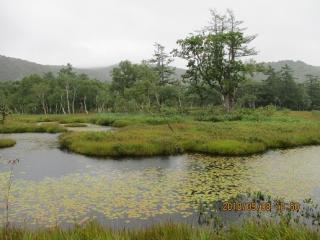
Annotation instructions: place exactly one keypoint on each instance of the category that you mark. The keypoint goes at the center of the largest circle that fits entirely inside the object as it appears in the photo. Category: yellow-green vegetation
(242, 132)
(105, 119)
(7, 143)
(75, 125)
(265, 230)
(51, 123)
(232, 138)
(21, 127)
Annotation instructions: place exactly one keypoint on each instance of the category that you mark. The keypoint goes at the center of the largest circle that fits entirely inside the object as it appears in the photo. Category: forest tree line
(138, 88)
(216, 74)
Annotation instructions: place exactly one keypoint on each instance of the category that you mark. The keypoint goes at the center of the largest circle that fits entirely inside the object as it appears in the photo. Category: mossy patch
(4, 143)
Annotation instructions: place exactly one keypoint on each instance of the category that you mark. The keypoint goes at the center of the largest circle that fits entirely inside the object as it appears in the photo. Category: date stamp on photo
(261, 206)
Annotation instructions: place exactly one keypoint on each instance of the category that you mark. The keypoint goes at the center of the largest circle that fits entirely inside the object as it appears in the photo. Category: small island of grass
(21, 126)
(228, 138)
(4, 143)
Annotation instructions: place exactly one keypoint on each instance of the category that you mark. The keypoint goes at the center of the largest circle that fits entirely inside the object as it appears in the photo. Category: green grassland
(25, 127)
(241, 132)
(250, 135)
(104, 119)
(169, 231)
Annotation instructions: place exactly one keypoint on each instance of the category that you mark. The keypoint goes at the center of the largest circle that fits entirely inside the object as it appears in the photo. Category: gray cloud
(103, 32)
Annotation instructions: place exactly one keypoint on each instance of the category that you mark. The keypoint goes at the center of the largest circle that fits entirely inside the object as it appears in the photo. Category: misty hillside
(301, 69)
(16, 69)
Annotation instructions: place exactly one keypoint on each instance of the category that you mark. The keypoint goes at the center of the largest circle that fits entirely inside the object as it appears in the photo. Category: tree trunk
(61, 105)
(43, 105)
(201, 97)
(158, 102)
(149, 101)
(44, 109)
(68, 102)
(228, 102)
(180, 104)
(73, 100)
(85, 105)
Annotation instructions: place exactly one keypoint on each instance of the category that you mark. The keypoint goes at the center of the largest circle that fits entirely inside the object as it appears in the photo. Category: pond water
(54, 186)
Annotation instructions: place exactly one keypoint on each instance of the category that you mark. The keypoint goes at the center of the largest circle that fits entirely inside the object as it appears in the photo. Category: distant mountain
(301, 69)
(16, 69)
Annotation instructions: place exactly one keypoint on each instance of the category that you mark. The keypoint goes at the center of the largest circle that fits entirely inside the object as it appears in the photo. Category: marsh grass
(104, 119)
(255, 230)
(223, 138)
(22, 127)
(4, 143)
(75, 125)
(155, 134)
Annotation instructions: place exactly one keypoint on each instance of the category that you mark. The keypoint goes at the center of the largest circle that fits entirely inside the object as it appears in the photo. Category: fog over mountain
(16, 69)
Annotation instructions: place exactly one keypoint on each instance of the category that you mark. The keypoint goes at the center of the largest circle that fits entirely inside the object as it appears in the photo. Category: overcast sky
(90, 33)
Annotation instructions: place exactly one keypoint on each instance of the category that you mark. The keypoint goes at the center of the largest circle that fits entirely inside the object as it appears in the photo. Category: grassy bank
(51, 123)
(218, 138)
(7, 143)
(242, 132)
(104, 119)
(75, 125)
(21, 127)
(169, 231)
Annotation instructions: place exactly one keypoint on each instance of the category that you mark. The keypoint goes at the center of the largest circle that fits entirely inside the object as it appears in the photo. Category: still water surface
(53, 186)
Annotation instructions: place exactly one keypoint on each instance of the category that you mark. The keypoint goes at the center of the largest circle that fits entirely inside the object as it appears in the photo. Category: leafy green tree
(4, 109)
(143, 92)
(215, 55)
(66, 78)
(304, 100)
(248, 94)
(281, 90)
(289, 88)
(312, 86)
(137, 83)
(41, 91)
(27, 98)
(161, 64)
(104, 98)
(271, 89)
(123, 76)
